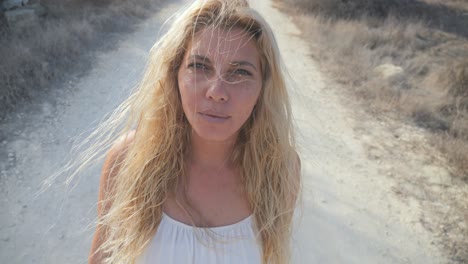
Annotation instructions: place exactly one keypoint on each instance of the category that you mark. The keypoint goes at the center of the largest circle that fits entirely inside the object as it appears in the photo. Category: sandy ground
(354, 207)
(352, 210)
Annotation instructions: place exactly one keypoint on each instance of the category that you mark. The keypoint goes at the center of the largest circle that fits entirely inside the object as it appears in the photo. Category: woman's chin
(214, 136)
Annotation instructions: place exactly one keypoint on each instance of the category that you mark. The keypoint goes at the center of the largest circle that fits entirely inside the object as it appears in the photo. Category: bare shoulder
(114, 158)
(120, 146)
(117, 152)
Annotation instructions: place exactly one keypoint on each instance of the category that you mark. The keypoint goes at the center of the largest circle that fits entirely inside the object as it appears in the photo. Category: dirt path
(356, 170)
(54, 228)
(351, 212)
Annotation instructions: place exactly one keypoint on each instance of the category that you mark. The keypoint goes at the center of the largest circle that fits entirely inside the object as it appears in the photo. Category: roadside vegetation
(407, 59)
(63, 41)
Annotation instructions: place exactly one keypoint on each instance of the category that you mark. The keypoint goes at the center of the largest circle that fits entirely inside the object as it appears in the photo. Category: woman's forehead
(233, 43)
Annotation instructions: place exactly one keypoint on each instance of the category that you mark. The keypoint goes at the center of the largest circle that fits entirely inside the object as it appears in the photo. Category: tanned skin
(111, 167)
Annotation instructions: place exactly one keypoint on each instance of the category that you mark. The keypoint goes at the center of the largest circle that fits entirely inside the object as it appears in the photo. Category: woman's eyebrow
(200, 57)
(240, 63)
(234, 63)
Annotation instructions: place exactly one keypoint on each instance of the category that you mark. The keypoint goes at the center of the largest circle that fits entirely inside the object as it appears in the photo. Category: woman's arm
(114, 158)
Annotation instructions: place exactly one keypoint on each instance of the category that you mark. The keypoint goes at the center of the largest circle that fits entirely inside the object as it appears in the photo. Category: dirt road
(350, 212)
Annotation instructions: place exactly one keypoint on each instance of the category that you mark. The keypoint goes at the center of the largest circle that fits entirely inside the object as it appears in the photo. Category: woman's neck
(211, 154)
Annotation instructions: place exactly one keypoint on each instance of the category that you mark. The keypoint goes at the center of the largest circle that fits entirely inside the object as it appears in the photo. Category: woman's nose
(217, 90)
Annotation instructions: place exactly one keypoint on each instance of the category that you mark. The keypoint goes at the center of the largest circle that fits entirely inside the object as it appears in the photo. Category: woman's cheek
(248, 93)
(194, 81)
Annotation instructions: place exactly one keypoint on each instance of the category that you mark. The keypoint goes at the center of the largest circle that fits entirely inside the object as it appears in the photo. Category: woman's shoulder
(116, 154)
(114, 158)
(121, 145)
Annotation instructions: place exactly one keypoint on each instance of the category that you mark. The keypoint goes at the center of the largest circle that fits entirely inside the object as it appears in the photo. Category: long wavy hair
(155, 160)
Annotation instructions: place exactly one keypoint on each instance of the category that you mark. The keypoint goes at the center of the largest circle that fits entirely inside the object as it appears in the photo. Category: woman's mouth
(214, 118)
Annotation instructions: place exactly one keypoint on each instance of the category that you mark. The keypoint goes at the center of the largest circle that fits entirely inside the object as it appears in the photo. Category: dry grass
(63, 42)
(352, 38)
(428, 40)
(456, 4)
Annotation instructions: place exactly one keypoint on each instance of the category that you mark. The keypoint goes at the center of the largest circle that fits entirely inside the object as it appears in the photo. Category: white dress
(179, 243)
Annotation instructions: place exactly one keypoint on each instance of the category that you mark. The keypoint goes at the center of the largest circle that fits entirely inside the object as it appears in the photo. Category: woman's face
(219, 82)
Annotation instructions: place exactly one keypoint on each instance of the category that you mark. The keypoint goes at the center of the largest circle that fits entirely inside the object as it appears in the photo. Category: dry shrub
(354, 9)
(444, 106)
(31, 60)
(453, 79)
(456, 150)
(431, 91)
(428, 40)
(137, 8)
(457, 4)
(351, 50)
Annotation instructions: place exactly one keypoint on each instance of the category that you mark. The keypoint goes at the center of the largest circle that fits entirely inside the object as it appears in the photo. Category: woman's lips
(214, 118)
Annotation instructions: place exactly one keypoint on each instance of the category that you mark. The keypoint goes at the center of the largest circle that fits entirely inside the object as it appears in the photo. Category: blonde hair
(154, 163)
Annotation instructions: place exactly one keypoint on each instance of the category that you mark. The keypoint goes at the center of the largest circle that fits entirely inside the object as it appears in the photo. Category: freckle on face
(218, 53)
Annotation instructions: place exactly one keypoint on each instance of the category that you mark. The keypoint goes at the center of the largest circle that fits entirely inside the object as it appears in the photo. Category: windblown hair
(155, 159)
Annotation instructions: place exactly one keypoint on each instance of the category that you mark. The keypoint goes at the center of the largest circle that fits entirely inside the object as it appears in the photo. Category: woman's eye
(242, 72)
(197, 65)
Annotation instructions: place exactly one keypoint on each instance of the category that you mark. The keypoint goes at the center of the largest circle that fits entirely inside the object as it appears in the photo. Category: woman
(210, 175)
